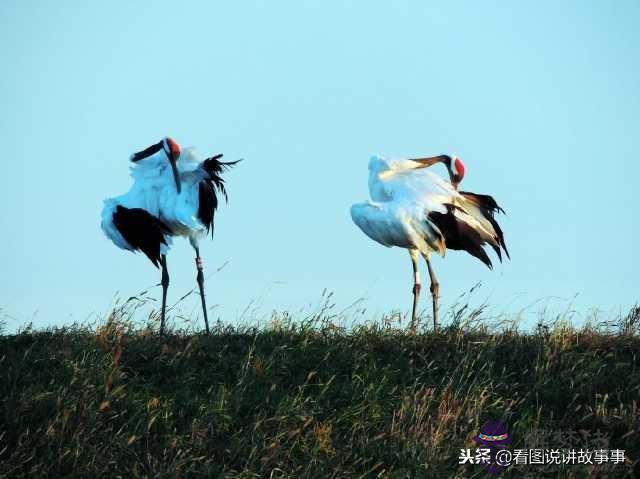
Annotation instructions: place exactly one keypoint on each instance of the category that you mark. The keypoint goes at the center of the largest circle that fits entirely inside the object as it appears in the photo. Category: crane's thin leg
(165, 286)
(416, 288)
(200, 279)
(435, 293)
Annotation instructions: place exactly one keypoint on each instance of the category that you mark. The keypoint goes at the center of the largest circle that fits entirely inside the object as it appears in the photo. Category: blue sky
(540, 100)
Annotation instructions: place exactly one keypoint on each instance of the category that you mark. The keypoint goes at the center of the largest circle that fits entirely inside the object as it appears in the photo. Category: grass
(309, 398)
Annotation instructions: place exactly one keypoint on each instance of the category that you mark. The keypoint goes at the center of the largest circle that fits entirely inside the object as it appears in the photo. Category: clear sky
(540, 99)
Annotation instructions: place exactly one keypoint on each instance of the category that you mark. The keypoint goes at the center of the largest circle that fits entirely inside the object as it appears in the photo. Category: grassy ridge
(307, 400)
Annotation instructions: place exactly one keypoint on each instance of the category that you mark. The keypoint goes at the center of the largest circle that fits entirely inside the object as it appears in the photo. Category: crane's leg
(165, 285)
(435, 292)
(416, 288)
(200, 279)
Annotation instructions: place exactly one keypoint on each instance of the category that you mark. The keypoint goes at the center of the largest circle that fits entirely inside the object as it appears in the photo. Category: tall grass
(306, 397)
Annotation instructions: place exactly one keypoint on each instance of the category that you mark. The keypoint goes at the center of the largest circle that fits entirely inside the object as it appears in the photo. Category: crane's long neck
(446, 161)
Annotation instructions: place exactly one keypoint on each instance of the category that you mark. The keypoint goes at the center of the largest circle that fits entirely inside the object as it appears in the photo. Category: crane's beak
(176, 175)
(429, 161)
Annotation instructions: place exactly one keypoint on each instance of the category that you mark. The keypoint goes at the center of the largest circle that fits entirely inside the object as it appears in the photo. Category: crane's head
(456, 171)
(454, 165)
(171, 150)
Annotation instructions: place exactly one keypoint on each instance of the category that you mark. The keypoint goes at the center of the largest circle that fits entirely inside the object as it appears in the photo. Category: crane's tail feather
(212, 184)
(460, 235)
(214, 169)
(484, 208)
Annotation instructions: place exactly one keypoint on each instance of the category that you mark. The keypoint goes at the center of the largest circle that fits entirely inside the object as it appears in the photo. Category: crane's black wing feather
(488, 207)
(143, 231)
(459, 235)
(209, 187)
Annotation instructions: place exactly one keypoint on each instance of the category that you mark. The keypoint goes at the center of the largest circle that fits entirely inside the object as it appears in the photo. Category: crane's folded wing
(398, 224)
(142, 231)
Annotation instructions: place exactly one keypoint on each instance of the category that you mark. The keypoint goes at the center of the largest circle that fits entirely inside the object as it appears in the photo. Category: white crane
(413, 208)
(173, 194)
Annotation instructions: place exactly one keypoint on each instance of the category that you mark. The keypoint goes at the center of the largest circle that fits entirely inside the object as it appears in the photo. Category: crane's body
(152, 180)
(413, 208)
(167, 198)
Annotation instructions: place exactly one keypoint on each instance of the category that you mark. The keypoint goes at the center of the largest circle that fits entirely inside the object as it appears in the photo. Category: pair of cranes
(176, 194)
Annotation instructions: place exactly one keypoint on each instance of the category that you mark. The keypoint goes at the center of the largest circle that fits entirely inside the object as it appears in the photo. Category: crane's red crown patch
(457, 164)
(174, 147)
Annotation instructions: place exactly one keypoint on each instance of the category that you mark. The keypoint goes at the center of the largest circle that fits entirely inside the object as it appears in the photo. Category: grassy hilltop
(311, 399)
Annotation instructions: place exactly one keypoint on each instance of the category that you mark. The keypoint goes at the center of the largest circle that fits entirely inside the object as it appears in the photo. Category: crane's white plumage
(397, 223)
(403, 195)
(400, 179)
(412, 208)
(152, 181)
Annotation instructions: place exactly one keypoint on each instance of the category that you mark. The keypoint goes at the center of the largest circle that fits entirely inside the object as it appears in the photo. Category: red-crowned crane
(413, 208)
(173, 194)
